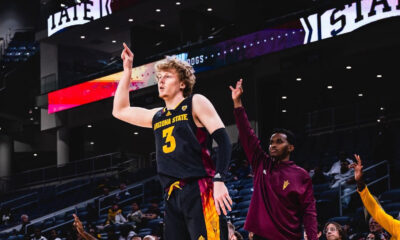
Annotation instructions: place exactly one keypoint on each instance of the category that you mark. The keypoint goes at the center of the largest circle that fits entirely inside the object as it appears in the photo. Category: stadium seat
(392, 195)
(243, 204)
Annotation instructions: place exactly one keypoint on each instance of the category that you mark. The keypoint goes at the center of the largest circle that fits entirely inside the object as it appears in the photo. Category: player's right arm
(121, 108)
(248, 139)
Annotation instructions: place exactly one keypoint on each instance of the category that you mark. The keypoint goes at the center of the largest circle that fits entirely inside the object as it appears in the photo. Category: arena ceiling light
(329, 87)
(83, 37)
(136, 133)
(360, 94)
(162, 25)
(113, 41)
(158, 10)
(283, 110)
(348, 67)
(62, 5)
(107, 28)
(382, 108)
(130, 20)
(178, 3)
(91, 143)
(35, 154)
(209, 9)
(89, 126)
(298, 79)
(284, 97)
(379, 76)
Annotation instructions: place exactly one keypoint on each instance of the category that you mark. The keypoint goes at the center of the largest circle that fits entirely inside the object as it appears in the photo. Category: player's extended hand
(222, 199)
(78, 225)
(127, 57)
(357, 168)
(237, 93)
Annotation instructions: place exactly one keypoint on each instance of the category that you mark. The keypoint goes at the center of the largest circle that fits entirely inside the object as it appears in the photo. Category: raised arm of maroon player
(247, 136)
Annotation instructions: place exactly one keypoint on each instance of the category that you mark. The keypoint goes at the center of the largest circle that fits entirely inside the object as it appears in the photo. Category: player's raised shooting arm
(121, 108)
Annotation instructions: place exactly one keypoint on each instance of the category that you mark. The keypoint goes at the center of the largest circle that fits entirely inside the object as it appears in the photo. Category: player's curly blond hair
(184, 69)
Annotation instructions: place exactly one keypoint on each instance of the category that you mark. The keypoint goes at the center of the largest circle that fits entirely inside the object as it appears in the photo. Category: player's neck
(171, 103)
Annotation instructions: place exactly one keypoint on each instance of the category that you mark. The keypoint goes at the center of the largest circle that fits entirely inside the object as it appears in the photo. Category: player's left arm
(307, 202)
(206, 114)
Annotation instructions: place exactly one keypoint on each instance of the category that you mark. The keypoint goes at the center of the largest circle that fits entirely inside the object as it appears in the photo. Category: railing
(387, 176)
(88, 166)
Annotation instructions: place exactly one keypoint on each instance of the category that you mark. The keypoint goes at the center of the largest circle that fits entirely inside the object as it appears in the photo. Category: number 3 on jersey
(169, 140)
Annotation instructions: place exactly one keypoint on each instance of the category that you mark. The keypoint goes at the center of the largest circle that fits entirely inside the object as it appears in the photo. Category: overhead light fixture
(113, 41)
(283, 110)
(130, 20)
(329, 87)
(62, 5)
(78, 1)
(379, 76)
(209, 9)
(211, 37)
(382, 108)
(91, 143)
(162, 25)
(284, 97)
(378, 120)
(36, 108)
(158, 10)
(0, 128)
(107, 28)
(83, 37)
(360, 94)
(298, 79)
(35, 154)
(89, 126)
(348, 67)
(31, 119)
(136, 133)
(178, 3)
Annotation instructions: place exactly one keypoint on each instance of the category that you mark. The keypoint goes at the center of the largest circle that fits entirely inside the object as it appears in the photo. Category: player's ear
(291, 148)
(182, 85)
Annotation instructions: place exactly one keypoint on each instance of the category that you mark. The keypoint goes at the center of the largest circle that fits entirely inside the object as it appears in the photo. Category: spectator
(24, 222)
(126, 232)
(346, 180)
(38, 235)
(335, 169)
(153, 211)
(54, 235)
(385, 220)
(377, 230)
(123, 194)
(136, 214)
(6, 216)
(333, 231)
(115, 215)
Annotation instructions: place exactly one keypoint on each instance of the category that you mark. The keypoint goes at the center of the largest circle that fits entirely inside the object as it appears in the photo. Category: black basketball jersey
(181, 147)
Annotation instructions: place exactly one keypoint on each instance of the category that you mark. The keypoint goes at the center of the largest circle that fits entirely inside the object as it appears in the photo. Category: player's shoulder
(300, 171)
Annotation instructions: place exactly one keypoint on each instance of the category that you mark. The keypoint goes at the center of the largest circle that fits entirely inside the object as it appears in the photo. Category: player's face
(168, 83)
(279, 147)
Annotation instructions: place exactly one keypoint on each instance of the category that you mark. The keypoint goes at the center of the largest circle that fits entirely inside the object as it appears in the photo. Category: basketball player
(195, 190)
(283, 197)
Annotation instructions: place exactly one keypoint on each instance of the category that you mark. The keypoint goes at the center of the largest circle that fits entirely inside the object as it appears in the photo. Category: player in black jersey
(195, 190)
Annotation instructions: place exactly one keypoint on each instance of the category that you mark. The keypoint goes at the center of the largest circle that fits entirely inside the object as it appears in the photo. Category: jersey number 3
(169, 140)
